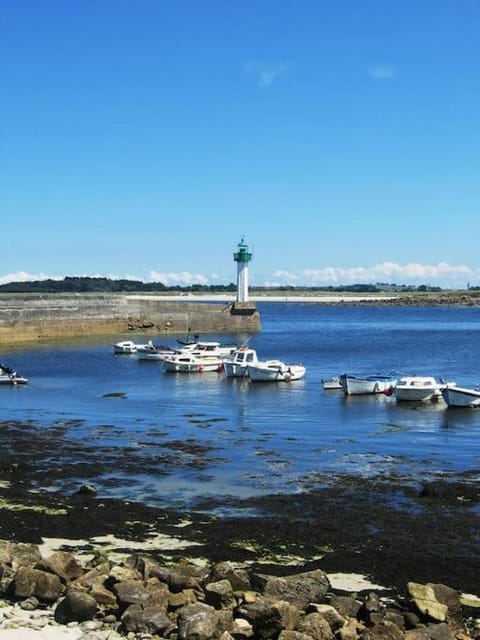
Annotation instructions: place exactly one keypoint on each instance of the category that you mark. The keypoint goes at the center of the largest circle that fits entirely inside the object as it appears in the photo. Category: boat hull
(418, 389)
(331, 383)
(191, 365)
(235, 370)
(275, 372)
(356, 385)
(6, 379)
(236, 365)
(461, 397)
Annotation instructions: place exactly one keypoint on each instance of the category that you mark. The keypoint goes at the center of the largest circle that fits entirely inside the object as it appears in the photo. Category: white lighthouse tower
(242, 257)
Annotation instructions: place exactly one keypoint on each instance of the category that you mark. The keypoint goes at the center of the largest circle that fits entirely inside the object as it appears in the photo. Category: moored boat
(190, 363)
(207, 348)
(331, 383)
(418, 388)
(461, 396)
(275, 371)
(150, 351)
(10, 376)
(236, 365)
(125, 346)
(359, 385)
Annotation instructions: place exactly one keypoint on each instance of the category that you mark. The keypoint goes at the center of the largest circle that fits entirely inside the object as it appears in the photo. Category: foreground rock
(140, 598)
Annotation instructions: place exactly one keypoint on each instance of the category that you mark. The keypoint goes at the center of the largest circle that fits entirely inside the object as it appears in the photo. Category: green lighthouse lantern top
(243, 254)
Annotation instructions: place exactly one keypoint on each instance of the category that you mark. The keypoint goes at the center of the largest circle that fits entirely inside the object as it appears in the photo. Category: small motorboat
(359, 385)
(150, 351)
(418, 388)
(10, 376)
(275, 371)
(236, 365)
(129, 347)
(208, 348)
(461, 396)
(125, 346)
(331, 383)
(190, 363)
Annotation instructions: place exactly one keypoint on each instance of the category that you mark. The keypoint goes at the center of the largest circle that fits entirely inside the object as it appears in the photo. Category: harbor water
(139, 433)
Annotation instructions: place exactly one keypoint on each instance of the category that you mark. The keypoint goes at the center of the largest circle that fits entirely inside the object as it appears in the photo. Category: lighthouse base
(243, 309)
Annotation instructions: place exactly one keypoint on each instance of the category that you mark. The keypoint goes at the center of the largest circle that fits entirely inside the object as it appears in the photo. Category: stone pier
(32, 317)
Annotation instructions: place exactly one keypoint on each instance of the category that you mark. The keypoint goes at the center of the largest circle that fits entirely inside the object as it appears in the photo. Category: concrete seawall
(30, 317)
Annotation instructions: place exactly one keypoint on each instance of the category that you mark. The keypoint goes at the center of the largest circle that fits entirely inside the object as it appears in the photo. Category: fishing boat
(275, 371)
(360, 385)
(236, 365)
(461, 396)
(191, 363)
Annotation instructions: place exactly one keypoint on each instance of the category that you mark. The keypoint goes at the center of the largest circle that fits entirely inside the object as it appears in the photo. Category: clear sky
(143, 138)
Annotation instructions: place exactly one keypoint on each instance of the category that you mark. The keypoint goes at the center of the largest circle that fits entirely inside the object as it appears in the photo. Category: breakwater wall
(30, 317)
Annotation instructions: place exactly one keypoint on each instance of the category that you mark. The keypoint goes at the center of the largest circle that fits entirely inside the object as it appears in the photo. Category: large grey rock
(329, 613)
(423, 597)
(198, 622)
(145, 618)
(315, 626)
(75, 607)
(347, 606)
(269, 617)
(219, 594)
(64, 565)
(236, 574)
(131, 592)
(24, 555)
(92, 576)
(439, 631)
(41, 584)
(384, 631)
(299, 589)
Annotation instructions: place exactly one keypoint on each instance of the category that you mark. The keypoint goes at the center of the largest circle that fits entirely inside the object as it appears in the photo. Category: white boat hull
(125, 347)
(461, 397)
(236, 365)
(182, 364)
(418, 389)
(275, 371)
(355, 385)
(331, 383)
(12, 379)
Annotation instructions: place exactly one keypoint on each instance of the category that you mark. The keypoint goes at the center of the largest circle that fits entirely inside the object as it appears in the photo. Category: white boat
(418, 388)
(331, 383)
(190, 363)
(236, 365)
(359, 385)
(275, 371)
(207, 348)
(129, 346)
(10, 376)
(461, 396)
(125, 346)
(150, 351)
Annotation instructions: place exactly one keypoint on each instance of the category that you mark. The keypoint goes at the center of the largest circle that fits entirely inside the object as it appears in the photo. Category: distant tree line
(81, 284)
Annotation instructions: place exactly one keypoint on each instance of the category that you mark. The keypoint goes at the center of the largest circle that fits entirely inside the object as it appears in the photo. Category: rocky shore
(139, 598)
(276, 566)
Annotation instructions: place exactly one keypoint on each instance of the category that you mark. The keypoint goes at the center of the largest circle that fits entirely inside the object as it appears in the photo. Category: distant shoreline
(452, 298)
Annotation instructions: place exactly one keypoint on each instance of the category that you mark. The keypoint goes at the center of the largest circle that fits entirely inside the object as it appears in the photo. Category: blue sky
(143, 138)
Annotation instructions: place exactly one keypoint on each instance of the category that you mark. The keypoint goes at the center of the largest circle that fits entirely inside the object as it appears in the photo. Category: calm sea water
(177, 437)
